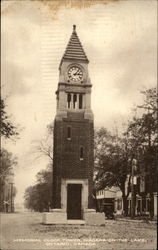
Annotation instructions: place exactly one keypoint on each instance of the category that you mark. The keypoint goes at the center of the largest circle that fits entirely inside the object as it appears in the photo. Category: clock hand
(76, 72)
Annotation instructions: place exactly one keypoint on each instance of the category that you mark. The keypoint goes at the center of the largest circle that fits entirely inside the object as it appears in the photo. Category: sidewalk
(136, 219)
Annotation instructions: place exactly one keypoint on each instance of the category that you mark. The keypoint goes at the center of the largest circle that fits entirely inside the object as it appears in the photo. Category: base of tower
(58, 216)
(93, 218)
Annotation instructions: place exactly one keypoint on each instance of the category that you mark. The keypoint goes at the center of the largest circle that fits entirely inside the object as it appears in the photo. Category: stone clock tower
(73, 138)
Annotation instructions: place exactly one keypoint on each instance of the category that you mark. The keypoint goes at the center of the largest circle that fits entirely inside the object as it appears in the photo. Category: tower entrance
(74, 198)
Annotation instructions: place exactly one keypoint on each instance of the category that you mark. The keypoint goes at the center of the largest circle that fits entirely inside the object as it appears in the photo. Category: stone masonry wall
(67, 162)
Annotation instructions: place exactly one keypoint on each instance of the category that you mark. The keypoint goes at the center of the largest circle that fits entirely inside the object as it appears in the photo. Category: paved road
(25, 231)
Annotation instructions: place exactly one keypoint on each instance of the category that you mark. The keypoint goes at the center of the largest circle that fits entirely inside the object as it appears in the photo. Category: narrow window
(81, 153)
(143, 205)
(139, 207)
(147, 205)
(80, 101)
(119, 204)
(58, 101)
(69, 133)
(74, 100)
(69, 100)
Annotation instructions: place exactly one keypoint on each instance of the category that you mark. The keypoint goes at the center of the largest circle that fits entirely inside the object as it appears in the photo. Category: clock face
(75, 74)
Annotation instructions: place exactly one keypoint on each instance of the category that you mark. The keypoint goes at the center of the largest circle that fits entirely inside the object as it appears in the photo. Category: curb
(137, 221)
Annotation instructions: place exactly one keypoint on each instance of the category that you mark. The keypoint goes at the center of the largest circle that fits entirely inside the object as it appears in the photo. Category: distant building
(144, 205)
(110, 195)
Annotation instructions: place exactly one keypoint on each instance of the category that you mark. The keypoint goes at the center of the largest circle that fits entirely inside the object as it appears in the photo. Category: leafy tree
(147, 139)
(150, 100)
(114, 154)
(8, 130)
(39, 196)
(146, 125)
(112, 157)
(8, 161)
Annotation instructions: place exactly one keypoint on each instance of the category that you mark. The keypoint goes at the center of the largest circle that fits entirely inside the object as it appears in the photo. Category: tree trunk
(125, 205)
(124, 197)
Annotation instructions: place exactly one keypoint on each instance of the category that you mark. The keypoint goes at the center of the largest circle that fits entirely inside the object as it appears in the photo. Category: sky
(119, 38)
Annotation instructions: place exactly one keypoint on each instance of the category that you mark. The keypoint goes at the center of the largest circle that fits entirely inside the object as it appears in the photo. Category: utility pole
(134, 168)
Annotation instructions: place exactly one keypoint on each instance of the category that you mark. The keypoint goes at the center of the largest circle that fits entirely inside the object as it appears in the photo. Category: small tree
(39, 196)
(43, 189)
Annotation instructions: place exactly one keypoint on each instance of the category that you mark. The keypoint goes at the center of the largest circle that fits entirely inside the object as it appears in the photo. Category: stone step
(76, 222)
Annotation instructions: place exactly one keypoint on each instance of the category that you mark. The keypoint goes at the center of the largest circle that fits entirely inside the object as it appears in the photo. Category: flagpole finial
(74, 27)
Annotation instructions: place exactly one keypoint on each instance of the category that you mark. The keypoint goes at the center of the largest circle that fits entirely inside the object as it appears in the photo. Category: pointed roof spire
(74, 49)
